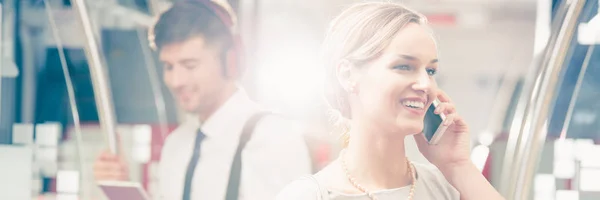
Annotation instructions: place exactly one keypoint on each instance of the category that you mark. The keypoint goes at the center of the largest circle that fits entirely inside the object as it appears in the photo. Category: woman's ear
(346, 75)
(343, 71)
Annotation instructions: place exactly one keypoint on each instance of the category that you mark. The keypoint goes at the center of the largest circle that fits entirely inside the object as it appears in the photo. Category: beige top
(430, 184)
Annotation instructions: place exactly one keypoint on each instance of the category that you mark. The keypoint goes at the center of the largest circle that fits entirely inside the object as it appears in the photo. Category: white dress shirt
(275, 155)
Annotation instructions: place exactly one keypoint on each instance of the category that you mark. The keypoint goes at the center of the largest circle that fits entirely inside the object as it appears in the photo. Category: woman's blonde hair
(359, 34)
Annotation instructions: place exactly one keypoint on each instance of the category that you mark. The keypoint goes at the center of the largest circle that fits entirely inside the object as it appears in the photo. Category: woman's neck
(376, 160)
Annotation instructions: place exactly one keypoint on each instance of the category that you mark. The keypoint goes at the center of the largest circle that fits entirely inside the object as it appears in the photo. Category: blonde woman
(381, 62)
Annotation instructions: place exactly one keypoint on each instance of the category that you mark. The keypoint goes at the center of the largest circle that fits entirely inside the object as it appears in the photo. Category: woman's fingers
(443, 97)
(446, 108)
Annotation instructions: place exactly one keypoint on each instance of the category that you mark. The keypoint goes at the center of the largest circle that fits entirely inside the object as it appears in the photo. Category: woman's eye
(431, 71)
(403, 67)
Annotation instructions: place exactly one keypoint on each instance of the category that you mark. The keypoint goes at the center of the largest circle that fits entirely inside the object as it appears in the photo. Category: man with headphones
(232, 149)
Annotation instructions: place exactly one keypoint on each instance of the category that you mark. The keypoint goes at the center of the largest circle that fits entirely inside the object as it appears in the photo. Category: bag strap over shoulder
(235, 173)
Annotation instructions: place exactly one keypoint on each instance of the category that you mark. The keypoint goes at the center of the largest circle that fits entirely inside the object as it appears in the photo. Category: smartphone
(118, 190)
(433, 128)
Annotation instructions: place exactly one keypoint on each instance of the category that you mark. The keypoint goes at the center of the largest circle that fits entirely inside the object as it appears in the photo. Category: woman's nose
(423, 82)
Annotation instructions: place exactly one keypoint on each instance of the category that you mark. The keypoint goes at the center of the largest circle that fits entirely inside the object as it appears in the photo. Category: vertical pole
(102, 92)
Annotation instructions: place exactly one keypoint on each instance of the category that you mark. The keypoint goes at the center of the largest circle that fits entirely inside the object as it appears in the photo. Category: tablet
(121, 190)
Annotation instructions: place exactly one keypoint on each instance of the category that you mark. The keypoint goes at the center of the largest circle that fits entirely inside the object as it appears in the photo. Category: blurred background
(523, 73)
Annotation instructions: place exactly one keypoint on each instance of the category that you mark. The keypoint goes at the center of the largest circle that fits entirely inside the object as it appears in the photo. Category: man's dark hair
(188, 19)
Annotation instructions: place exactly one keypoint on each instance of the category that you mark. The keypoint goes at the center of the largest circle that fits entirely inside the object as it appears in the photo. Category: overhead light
(584, 117)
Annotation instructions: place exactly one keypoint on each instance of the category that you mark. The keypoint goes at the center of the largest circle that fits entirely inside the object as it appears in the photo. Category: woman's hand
(452, 155)
(453, 149)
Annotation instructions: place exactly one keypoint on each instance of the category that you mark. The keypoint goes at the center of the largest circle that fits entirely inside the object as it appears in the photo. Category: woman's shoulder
(427, 171)
(433, 179)
(305, 188)
(312, 187)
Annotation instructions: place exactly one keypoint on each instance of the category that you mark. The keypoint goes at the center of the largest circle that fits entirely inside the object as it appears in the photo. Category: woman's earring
(346, 139)
(353, 88)
(345, 134)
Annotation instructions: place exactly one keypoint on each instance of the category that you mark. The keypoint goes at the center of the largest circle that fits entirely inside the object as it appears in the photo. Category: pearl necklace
(352, 180)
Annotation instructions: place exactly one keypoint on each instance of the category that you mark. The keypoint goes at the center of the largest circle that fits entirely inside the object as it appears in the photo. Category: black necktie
(189, 174)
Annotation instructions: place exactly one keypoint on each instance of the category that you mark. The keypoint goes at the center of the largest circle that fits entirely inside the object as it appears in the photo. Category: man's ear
(346, 75)
(232, 65)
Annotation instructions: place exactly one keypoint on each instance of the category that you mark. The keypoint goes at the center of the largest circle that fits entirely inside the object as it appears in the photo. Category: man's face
(193, 71)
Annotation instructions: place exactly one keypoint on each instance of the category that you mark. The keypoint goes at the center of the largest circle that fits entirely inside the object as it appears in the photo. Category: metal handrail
(102, 92)
(519, 124)
(522, 108)
(537, 106)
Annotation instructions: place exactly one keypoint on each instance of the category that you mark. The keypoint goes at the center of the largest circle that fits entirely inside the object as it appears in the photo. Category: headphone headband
(225, 16)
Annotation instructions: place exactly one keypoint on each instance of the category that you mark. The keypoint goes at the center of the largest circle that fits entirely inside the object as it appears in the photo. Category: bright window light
(67, 181)
(583, 148)
(47, 134)
(142, 134)
(589, 180)
(564, 168)
(546, 195)
(564, 149)
(288, 70)
(544, 183)
(567, 195)
(589, 33)
(479, 156)
(591, 159)
(486, 138)
(542, 26)
(23, 134)
(66, 197)
(291, 78)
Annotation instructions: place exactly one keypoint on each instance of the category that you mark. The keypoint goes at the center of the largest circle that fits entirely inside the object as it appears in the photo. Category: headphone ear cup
(228, 20)
(235, 56)
(238, 54)
(232, 65)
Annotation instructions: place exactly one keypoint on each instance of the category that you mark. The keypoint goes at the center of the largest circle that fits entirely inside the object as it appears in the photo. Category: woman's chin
(410, 127)
(408, 131)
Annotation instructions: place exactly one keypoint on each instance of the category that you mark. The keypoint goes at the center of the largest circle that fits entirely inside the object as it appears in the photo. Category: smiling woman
(380, 60)
(377, 70)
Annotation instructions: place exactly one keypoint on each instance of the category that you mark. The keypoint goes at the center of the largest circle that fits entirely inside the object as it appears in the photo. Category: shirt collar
(230, 117)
